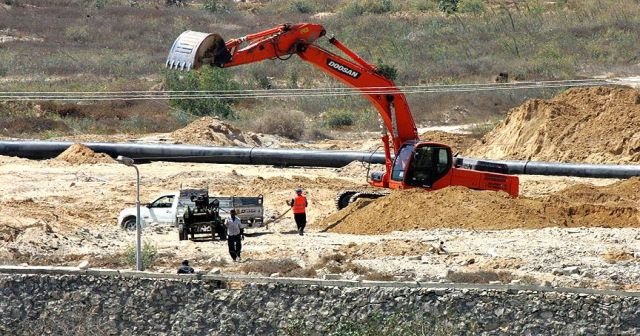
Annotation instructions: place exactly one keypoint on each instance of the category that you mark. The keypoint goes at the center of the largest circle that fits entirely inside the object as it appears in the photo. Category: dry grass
(480, 277)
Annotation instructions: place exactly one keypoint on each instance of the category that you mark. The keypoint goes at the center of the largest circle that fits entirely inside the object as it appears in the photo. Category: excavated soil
(80, 154)
(213, 131)
(616, 205)
(590, 125)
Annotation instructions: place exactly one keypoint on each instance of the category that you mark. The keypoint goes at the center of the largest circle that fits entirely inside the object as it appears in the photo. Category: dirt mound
(81, 154)
(592, 125)
(459, 207)
(457, 142)
(213, 131)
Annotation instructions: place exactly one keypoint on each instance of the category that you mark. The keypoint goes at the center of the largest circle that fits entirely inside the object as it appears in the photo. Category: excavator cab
(421, 164)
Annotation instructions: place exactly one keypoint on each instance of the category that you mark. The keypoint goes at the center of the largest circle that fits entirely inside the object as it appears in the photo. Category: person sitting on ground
(185, 268)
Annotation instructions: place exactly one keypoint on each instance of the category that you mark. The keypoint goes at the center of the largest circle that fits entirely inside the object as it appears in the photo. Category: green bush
(210, 5)
(77, 34)
(352, 9)
(472, 6)
(211, 79)
(448, 6)
(387, 70)
(377, 6)
(149, 254)
(302, 7)
(338, 118)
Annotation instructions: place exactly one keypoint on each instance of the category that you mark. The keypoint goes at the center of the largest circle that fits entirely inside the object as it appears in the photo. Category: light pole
(127, 161)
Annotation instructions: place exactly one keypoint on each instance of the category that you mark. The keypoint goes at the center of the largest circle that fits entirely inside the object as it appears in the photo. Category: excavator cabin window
(429, 164)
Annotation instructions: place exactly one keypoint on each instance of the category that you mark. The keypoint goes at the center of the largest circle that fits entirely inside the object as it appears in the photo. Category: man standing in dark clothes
(234, 235)
(185, 268)
(299, 208)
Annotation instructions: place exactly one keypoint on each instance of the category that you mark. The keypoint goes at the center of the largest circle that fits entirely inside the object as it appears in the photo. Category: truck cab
(162, 210)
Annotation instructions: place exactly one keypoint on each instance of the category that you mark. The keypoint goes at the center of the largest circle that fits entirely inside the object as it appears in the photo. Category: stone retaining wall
(64, 302)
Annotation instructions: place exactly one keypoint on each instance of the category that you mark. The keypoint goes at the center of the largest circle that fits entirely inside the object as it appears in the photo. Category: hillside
(97, 45)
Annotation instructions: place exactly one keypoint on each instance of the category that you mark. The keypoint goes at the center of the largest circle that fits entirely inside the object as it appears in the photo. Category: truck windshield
(402, 159)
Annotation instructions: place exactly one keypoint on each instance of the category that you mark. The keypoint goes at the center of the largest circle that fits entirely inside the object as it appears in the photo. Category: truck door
(161, 210)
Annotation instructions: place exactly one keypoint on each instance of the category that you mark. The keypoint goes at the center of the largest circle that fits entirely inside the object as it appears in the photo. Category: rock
(570, 270)
(556, 271)
(516, 282)
(414, 258)
(215, 270)
(84, 265)
(274, 275)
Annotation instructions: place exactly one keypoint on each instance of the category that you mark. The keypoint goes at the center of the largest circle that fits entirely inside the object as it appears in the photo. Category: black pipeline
(144, 153)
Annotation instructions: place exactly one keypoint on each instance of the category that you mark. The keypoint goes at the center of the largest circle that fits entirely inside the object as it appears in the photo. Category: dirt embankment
(616, 205)
(591, 125)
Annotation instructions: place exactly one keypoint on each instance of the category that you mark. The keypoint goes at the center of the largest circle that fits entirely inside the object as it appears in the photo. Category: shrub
(210, 5)
(290, 124)
(338, 118)
(268, 267)
(302, 7)
(387, 70)
(211, 79)
(472, 6)
(77, 34)
(352, 9)
(377, 6)
(149, 254)
(480, 277)
(448, 6)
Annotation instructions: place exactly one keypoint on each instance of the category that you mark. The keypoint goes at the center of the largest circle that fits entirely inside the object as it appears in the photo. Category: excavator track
(367, 195)
(347, 197)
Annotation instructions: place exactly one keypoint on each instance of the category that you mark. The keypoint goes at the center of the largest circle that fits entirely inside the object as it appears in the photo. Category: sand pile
(591, 125)
(81, 154)
(213, 131)
(457, 142)
(458, 207)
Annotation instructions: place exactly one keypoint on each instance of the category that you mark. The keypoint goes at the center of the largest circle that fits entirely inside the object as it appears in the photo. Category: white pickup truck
(166, 208)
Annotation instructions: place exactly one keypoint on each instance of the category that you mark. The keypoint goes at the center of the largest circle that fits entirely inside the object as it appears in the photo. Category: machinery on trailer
(415, 164)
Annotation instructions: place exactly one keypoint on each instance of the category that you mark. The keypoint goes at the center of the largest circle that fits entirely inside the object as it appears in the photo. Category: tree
(212, 80)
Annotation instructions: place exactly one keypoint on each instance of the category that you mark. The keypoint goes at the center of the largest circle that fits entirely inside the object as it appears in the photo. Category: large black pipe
(550, 168)
(297, 157)
(187, 153)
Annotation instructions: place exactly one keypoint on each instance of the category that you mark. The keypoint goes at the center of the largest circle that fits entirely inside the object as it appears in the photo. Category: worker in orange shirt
(299, 206)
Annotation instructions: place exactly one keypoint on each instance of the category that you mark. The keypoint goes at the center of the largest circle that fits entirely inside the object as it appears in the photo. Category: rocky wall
(78, 303)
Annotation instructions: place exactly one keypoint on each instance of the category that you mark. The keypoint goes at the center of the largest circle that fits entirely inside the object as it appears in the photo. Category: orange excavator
(416, 164)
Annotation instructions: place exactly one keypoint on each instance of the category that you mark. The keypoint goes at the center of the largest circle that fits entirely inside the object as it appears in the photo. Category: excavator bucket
(192, 49)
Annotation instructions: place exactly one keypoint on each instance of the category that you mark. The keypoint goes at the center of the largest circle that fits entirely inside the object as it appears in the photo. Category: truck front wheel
(129, 224)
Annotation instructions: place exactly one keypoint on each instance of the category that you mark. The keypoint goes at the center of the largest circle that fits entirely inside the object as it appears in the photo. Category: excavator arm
(192, 50)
